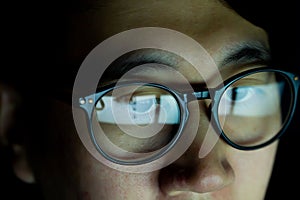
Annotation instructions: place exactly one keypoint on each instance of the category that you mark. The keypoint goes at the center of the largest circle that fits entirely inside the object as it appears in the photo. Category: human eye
(138, 119)
(250, 97)
(252, 109)
(141, 100)
(242, 94)
(140, 106)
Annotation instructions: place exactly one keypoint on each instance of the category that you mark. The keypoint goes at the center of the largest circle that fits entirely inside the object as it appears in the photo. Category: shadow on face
(66, 170)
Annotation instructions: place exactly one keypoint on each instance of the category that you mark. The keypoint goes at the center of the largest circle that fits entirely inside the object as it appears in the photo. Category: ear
(9, 103)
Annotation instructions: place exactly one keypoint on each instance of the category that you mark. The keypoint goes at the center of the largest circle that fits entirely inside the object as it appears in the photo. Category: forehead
(203, 20)
(107, 18)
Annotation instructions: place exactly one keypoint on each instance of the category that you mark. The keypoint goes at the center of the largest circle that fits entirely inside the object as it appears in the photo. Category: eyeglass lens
(137, 121)
(253, 109)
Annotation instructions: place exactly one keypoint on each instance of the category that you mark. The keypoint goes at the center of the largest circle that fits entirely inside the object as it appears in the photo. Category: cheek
(79, 174)
(102, 182)
(253, 169)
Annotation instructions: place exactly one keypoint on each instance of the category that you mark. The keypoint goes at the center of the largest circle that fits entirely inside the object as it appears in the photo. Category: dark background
(280, 19)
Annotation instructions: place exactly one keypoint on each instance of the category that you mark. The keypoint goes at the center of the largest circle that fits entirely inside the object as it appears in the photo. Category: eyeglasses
(133, 123)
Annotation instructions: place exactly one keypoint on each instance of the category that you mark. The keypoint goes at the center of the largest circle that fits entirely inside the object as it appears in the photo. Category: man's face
(66, 170)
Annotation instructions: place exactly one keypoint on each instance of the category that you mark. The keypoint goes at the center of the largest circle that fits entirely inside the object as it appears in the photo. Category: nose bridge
(198, 95)
(201, 174)
(211, 168)
(209, 138)
(207, 135)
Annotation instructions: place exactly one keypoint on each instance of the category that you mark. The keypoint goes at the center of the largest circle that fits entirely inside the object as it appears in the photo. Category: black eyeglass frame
(88, 104)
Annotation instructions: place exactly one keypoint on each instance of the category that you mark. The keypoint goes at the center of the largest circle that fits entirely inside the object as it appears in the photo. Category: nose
(193, 173)
(204, 175)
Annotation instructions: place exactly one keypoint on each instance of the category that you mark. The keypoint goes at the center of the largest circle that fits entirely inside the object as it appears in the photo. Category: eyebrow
(150, 56)
(139, 57)
(235, 54)
(244, 53)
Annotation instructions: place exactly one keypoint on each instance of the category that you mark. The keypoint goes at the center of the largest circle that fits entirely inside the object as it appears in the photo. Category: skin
(66, 170)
